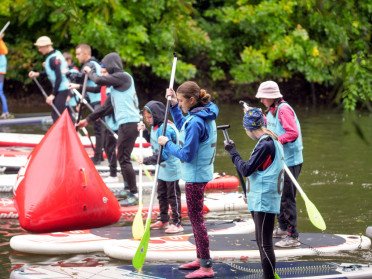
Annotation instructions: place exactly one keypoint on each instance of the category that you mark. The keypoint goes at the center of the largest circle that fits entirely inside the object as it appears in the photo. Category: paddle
(4, 28)
(83, 92)
(227, 138)
(137, 226)
(85, 131)
(77, 93)
(313, 213)
(140, 255)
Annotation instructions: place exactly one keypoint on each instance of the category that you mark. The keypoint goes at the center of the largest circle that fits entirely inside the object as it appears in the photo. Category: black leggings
(264, 226)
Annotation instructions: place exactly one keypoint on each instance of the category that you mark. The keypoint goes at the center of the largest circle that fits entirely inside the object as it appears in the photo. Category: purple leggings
(195, 200)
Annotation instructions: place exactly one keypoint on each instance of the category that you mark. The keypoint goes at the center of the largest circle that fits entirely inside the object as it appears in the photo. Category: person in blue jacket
(55, 68)
(264, 170)
(124, 104)
(169, 193)
(197, 148)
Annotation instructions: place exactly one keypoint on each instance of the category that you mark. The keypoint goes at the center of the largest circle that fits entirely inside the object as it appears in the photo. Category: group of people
(188, 149)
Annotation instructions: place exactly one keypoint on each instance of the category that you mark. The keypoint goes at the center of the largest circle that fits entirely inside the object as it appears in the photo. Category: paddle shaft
(227, 138)
(46, 96)
(4, 28)
(140, 255)
(77, 93)
(165, 122)
(83, 92)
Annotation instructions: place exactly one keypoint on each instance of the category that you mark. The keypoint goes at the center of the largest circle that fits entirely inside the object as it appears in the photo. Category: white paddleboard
(93, 240)
(234, 248)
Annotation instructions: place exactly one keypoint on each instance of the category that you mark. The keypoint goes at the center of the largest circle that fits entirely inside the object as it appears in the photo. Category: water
(336, 176)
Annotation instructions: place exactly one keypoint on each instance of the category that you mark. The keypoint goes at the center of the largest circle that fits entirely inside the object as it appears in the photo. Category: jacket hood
(112, 63)
(207, 112)
(157, 110)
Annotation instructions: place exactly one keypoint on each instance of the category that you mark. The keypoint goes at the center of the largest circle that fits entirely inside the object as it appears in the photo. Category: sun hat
(268, 90)
(43, 41)
(253, 119)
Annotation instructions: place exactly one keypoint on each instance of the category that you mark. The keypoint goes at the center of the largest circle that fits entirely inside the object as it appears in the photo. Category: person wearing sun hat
(55, 68)
(283, 121)
(264, 170)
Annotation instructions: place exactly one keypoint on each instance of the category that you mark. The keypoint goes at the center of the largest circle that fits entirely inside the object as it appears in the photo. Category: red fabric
(103, 94)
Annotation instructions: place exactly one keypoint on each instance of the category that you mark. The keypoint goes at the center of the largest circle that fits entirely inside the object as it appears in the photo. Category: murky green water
(336, 176)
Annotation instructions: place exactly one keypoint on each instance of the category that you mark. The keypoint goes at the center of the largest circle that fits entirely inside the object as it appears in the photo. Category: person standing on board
(3, 66)
(282, 120)
(55, 67)
(264, 170)
(197, 149)
(72, 99)
(85, 58)
(124, 105)
(169, 192)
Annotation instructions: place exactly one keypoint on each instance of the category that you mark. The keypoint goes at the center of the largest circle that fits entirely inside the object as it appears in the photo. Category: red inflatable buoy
(60, 189)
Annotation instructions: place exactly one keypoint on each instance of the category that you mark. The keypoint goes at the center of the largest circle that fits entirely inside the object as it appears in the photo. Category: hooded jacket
(124, 101)
(198, 135)
(170, 166)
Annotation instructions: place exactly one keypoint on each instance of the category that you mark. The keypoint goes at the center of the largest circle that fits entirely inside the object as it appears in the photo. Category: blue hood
(207, 112)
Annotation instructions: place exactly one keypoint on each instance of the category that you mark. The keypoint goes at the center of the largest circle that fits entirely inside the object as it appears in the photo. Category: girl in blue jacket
(264, 170)
(197, 148)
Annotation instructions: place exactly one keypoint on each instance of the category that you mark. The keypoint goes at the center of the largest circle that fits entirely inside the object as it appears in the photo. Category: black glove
(229, 145)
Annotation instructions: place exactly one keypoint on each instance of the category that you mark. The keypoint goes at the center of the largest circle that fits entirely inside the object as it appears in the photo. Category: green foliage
(357, 81)
(237, 42)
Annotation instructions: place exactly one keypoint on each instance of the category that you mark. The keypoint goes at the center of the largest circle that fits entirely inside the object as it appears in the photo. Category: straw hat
(43, 41)
(269, 90)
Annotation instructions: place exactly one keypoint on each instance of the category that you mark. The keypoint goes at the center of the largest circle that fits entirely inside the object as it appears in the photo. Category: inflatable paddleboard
(213, 202)
(93, 240)
(31, 140)
(44, 120)
(293, 270)
(220, 182)
(234, 248)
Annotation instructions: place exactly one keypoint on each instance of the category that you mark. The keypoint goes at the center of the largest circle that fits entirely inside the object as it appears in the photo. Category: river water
(336, 176)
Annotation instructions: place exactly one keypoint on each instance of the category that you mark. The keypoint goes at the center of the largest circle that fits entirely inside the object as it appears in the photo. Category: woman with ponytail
(197, 149)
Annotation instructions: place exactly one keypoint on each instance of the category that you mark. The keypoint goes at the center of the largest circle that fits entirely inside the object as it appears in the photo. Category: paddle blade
(137, 226)
(314, 215)
(140, 255)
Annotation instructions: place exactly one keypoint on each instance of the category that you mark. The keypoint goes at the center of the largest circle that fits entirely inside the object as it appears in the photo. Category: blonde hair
(191, 89)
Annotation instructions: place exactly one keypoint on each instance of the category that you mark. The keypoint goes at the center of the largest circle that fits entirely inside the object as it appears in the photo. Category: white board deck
(93, 240)
(235, 248)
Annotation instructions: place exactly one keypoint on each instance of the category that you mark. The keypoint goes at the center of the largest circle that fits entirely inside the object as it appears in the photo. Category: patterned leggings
(195, 201)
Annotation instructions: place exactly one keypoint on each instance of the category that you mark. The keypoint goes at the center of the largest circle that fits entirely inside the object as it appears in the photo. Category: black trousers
(127, 135)
(169, 194)
(60, 103)
(288, 210)
(98, 133)
(109, 145)
(264, 226)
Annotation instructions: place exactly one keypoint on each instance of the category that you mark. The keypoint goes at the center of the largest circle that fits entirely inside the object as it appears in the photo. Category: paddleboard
(93, 240)
(293, 270)
(220, 182)
(31, 140)
(16, 162)
(213, 202)
(239, 247)
(44, 120)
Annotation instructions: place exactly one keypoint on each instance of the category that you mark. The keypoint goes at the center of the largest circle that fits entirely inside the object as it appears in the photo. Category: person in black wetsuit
(264, 170)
